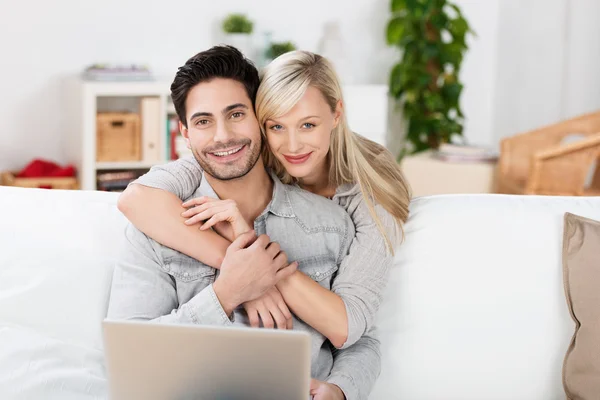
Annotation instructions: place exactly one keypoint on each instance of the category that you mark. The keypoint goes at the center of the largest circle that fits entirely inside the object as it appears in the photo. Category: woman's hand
(216, 214)
(325, 391)
(270, 309)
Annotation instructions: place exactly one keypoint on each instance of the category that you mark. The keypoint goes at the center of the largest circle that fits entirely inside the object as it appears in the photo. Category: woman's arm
(345, 313)
(157, 213)
(318, 307)
(153, 204)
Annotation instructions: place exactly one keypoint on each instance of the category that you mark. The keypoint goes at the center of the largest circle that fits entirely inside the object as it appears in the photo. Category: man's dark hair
(217, 62)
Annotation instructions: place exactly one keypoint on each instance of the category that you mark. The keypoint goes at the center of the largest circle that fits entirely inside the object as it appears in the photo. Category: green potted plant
(238, 33)
(431, 36)
(278, 48)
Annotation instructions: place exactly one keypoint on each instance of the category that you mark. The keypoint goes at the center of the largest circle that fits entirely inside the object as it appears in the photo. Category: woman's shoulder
(350, 197)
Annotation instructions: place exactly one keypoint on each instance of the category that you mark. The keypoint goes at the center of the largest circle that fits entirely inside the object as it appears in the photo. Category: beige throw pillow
(581, 269)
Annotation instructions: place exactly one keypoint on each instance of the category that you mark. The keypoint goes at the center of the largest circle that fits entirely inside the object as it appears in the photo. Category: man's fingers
(286, 271)
(262, 241)
(285, 311)
(281, 260)
(273, 249)
(253, 317)
(266, 318)
(314, 384)
(242, 241)
(278, 316)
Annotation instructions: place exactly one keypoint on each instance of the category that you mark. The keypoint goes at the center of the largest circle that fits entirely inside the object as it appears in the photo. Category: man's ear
(337, 114)
(186, 135)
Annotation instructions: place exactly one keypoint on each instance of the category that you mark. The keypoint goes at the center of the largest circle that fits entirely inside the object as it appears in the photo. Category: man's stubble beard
(229, 172)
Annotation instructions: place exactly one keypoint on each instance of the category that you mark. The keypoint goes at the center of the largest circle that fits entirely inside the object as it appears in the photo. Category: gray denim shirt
(153, 282)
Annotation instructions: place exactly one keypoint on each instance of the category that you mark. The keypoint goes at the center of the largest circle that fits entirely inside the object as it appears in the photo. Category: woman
(300, 110)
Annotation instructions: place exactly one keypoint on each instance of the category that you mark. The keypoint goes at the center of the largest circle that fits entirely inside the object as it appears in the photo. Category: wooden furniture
(539, 162)
(118, 137)
(430, 176)
(64, 183)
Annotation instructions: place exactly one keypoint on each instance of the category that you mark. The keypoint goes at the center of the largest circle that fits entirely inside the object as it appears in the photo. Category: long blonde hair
(351, 157)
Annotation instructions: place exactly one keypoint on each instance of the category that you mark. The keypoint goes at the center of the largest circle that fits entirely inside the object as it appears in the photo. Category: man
(214, 96)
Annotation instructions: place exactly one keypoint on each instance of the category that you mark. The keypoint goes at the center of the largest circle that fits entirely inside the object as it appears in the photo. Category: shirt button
(318, 274)
(186, 274)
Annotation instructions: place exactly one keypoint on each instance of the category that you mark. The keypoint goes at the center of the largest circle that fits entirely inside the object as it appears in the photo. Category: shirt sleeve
(356, 368)
(364, 271)
(181, 177)
(142, 290)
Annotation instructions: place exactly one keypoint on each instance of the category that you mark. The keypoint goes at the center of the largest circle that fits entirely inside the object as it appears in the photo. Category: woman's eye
(237, 114)
(308, 125)
(275, 127)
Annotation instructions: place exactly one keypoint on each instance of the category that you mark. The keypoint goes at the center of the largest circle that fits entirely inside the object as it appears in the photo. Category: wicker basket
(118, 137)
(66, 183)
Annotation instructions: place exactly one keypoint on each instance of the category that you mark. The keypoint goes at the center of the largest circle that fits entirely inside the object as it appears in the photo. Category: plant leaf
(398, 5)
(395, 30)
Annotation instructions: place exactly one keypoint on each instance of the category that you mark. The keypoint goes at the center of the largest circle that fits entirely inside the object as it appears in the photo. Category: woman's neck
(318, 182)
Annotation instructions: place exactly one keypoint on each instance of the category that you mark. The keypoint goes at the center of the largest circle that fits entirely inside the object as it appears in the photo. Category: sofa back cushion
(475, 307)
(58, 252)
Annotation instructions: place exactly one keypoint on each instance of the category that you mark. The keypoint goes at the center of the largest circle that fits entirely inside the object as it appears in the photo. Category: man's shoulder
(316, 209)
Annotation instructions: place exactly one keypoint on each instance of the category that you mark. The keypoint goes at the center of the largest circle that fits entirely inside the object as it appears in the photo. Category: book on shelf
(464, 153)
(115, 181)
(150, 120)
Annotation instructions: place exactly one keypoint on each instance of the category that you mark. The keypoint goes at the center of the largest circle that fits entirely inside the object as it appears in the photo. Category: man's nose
(223, 134)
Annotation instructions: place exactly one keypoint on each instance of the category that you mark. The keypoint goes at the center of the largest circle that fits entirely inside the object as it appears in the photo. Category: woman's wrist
(239, 228)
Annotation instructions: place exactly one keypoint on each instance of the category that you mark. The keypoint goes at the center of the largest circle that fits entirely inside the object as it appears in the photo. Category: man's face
(222, 131)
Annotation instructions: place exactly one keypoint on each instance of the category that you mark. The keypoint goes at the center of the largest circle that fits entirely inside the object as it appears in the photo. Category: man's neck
(252, 192)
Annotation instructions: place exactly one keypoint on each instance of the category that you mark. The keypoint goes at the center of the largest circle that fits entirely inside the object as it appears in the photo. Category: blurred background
(86, 85)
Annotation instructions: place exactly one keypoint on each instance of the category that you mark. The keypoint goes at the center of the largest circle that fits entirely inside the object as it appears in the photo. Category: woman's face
(300, 139)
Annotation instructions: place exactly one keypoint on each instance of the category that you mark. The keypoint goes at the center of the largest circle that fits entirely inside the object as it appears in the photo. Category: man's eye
(237, 114)
(308, 125)
(202, 122)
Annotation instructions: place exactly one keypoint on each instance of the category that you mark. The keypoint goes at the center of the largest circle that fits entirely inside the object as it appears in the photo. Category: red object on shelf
(41, 168)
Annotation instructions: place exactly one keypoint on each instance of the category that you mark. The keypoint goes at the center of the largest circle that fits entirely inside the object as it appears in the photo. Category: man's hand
(325, 391)
(251, 267)
(271, 309)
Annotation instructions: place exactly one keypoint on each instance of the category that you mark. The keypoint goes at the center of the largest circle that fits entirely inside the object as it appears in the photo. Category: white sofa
(475, 310)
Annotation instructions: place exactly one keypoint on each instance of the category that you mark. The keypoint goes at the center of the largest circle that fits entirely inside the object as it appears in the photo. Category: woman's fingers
(206, 214)
(221, 217)
(198, 201)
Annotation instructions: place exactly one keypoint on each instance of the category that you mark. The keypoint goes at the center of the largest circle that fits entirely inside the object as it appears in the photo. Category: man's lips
(297, 159)
(228, 154)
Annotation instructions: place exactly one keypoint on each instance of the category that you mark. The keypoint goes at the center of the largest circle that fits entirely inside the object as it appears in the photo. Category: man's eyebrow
(200, 114)
(233, 107)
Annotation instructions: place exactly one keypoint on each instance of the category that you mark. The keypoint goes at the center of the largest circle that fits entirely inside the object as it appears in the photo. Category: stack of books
(107, 72)
(115, 181)
(464, 153)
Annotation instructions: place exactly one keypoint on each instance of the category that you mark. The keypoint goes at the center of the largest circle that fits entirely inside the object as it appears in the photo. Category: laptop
(153, 361)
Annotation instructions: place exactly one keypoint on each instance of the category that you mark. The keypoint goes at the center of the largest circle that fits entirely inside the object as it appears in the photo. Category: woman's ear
(337, 115)
(186, 135)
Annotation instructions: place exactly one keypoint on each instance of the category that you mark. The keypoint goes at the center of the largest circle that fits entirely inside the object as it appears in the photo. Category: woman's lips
(299, 159)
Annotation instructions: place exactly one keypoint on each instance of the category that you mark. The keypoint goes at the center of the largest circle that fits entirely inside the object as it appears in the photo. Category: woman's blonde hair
(351, 157)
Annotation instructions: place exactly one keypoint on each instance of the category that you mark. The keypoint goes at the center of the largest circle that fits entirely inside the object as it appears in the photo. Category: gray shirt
(153, 282)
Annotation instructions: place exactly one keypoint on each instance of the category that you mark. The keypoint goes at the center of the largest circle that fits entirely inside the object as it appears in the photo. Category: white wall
(42, 42)
(513, 74)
